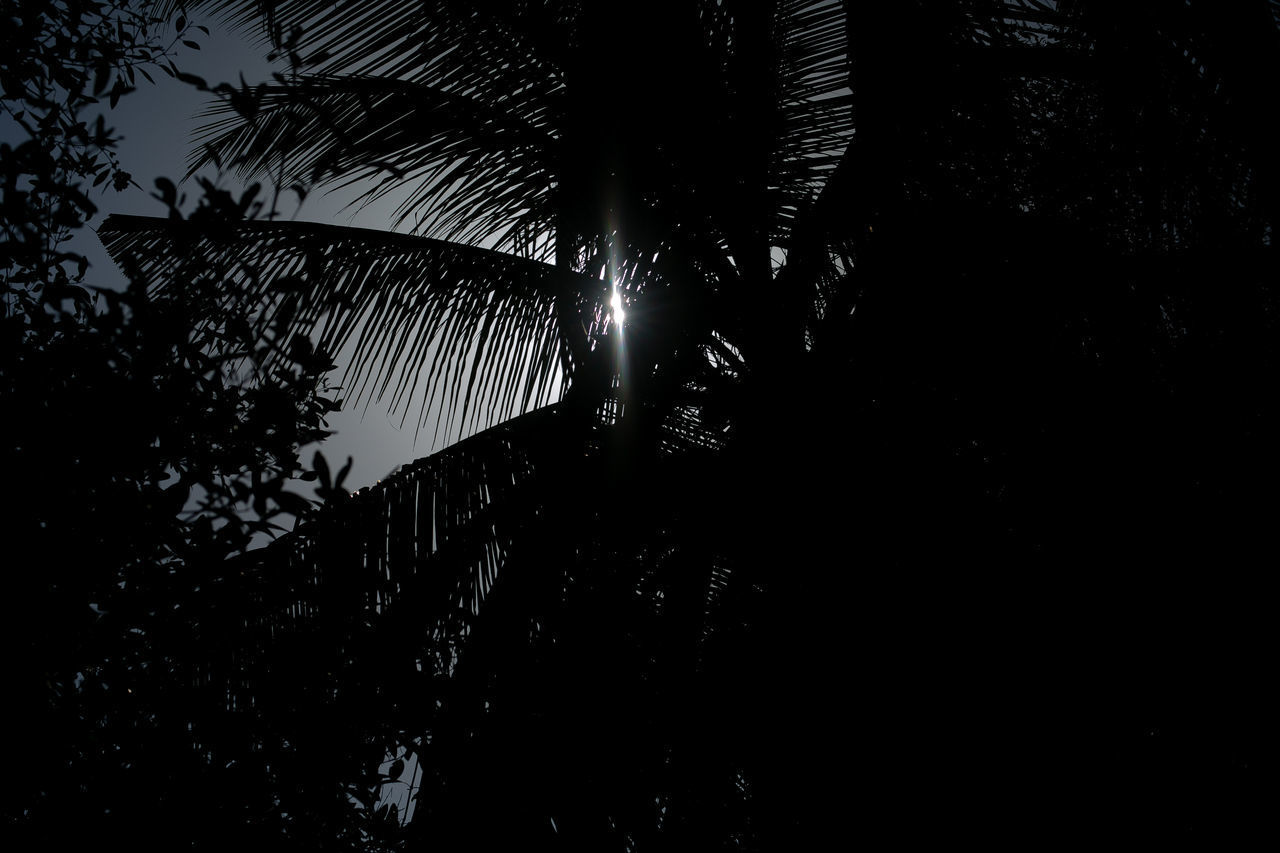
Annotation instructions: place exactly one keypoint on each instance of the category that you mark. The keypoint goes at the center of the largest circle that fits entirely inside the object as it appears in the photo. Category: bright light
(616, 304)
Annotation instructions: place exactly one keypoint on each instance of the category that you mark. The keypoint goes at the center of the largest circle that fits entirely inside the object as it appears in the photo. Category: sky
(155, 124)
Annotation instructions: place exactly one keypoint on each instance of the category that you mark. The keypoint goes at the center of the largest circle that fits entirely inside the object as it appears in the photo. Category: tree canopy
(919, 493)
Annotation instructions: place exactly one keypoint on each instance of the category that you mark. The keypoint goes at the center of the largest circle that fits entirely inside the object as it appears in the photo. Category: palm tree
(701, 579)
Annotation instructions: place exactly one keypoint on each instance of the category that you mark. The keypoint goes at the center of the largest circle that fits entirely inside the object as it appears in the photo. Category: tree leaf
(481, 331)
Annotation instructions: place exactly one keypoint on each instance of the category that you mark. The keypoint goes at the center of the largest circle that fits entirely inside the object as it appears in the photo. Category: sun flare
(617, 312)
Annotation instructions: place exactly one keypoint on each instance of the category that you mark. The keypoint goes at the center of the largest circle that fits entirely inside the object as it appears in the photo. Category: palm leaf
(374, 32)
(426, 547)
(478, 172)
(497, 71)
(370, 606)
(485, 332)
(466, 44)
(815, 104)
(430, 540)
(463, 566)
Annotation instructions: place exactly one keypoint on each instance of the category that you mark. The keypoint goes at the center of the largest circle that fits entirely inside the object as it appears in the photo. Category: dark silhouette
(142, 447)
(923, 494)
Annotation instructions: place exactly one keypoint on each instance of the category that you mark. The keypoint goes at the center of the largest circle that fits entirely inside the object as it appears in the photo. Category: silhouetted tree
(918, 494)
(143, 447)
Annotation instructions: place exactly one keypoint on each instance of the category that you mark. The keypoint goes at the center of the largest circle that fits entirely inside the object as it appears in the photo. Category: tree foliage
(916, 495)
(144, 446)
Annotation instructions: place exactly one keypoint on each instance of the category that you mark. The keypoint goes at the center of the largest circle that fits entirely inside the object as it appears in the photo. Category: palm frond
(374, 602)
(426, 543)
(815, 104)
(425, 547)
(374, 33)
(478, 172)
(483, 331)
(465, 44)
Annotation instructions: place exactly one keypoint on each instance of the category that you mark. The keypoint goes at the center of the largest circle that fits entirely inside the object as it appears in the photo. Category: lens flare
(615, 303)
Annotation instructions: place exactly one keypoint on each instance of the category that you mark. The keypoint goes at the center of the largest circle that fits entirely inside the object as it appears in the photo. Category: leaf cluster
(144, 447)
(924, 469)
